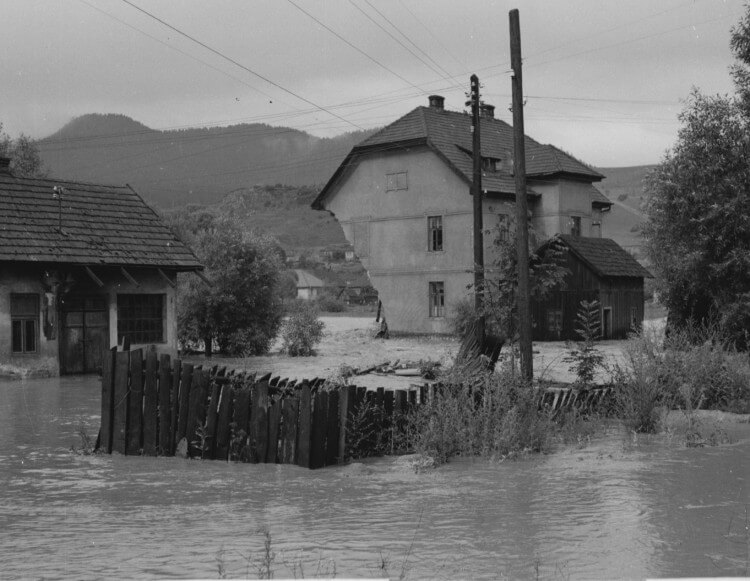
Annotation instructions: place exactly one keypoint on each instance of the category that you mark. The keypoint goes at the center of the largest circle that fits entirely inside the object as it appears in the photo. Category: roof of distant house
(604, 256)
(449, 134)
(46, 220)
(307, 280)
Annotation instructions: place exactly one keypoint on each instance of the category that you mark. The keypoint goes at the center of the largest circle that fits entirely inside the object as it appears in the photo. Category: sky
(602, 79)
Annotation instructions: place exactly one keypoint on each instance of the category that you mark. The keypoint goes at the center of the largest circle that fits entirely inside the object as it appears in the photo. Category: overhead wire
(240, 65)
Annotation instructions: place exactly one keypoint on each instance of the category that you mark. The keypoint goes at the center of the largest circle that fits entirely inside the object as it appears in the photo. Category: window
(396, 181)
(437, 299)
(434, 233)
(575, 225)
(489, 163)
(503, 227)
(140, 318)
(24, 316)
(554, 322)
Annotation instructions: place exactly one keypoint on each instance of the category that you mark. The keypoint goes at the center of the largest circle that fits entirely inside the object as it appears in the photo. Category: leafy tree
(23, 153)
(241, 312)
(546, 272)
(585, 357)
(697, 234)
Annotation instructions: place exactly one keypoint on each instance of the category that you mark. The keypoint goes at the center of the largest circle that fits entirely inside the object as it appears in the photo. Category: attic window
(489, 163)
(396, 181)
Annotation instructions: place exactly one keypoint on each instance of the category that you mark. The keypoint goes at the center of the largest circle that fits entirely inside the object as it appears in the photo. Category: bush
(330, 304)
(302, 331)
(586, 358)
(495, 416)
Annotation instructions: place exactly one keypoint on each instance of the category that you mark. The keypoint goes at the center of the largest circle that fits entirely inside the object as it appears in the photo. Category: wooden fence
(155, 406)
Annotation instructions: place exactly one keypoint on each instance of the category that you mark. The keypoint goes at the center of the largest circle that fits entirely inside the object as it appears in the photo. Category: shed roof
(44, 220)
(307, 280)
(604, 256)
(449, 134)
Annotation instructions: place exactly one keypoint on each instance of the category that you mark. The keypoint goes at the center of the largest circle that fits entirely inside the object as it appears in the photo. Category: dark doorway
(607, 322)
(84, 333)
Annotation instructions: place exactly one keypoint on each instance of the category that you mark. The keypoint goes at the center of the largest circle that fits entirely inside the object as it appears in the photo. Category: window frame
(396, 181)
(26, 321)
(139, 327)
(503, 226)
(436, 290)
(576, 226)
(435, 234)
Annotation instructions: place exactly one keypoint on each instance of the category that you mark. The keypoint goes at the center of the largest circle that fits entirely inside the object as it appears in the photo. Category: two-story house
(403, 199)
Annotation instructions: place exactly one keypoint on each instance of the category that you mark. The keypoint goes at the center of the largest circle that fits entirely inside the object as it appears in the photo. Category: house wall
(388, 230)
(46, 361)
(561, 200)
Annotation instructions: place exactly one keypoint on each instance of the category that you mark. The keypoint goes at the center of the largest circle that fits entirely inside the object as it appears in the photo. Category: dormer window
(490, 163)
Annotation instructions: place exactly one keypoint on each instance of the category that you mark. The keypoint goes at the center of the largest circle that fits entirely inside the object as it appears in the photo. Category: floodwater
(612, 509)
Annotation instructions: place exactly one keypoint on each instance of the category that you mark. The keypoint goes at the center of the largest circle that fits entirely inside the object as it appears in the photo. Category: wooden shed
(600, 269)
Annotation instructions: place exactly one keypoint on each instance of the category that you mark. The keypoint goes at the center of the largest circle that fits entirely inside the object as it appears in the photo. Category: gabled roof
(307, 280)
(449, 134)
(604, 256)
(86, 224)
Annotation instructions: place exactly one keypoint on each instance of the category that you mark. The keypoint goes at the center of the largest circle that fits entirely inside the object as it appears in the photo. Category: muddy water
(609, 510)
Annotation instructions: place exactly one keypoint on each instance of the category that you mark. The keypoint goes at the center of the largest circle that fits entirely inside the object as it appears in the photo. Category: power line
(355, 47)
(243, 67)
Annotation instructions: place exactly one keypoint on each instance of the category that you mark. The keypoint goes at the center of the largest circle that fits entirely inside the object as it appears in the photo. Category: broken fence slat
(289, 419)
(225, 418)
(164, 447)
(135, 405)
(186, 382)
(196, 416)
(258, 432)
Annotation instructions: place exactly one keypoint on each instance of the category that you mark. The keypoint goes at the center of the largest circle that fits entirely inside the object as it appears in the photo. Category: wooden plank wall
(154, 405)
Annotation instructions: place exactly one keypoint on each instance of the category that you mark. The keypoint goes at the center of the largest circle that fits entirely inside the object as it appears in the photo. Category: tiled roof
(449, 134)
(91, 224)
(307, 280)
(604, 256)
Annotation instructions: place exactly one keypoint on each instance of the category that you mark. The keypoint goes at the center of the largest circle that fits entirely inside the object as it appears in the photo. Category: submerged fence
(156, 406)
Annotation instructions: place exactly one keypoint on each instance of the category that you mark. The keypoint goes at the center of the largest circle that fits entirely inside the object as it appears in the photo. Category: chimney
(437, 102)
(4, 165)
(487, 110)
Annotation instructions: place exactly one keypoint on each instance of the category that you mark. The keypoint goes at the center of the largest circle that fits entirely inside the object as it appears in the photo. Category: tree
(241, 312)
(697, 233)
(24, 155)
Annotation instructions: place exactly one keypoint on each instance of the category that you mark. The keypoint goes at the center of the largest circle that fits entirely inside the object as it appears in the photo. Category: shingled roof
(53, 221)
(449, 134)
(604, 256)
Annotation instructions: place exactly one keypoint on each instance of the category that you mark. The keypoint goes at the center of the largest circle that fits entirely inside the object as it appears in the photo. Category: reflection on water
(606, 511)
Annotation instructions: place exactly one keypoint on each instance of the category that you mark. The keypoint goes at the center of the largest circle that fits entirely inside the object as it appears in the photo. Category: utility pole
(522, 210)
(476, 192)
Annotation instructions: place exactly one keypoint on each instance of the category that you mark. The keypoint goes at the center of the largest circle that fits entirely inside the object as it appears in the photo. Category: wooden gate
(84, 334)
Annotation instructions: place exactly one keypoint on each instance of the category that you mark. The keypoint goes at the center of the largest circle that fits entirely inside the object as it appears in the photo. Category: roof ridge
(60, 181)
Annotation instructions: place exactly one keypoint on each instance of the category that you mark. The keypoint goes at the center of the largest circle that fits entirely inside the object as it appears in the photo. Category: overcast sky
(604, 79)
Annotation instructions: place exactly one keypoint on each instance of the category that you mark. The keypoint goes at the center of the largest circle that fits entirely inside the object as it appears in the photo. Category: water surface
(609, 510)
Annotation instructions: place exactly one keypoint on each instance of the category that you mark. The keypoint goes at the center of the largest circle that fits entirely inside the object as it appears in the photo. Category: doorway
(606, 322)
(84, 333)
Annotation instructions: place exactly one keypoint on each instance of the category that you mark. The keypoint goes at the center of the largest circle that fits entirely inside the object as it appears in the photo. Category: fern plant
(585, 357)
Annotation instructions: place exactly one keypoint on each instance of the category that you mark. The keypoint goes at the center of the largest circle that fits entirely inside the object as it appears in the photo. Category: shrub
(302, 331)
(586, 358)
(330, 304)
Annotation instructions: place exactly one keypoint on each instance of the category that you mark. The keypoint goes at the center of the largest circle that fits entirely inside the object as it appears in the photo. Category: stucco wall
(45, 361)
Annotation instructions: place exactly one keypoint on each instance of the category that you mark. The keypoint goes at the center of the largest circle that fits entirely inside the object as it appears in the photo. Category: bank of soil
(351, 341)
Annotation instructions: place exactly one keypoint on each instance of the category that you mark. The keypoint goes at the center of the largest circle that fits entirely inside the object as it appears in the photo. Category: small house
(83, 267)
(309, 286)
(601, 270)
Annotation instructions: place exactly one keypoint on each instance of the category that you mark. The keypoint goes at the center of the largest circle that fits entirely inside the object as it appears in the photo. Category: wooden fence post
(303, 426)
(212, 415)
(346, 408)
(165, 426)
(120, 416)
(274, 419)
(108, 379)
(197, 409)
(223, 429)
(175, 404)
(135, 409)
(332, 437)
(186, 381)
(150, 404)
(319, 430)
(259, 423)
(289, 418)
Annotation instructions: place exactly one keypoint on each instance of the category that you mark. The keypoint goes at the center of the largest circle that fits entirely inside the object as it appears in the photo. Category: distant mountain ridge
(202, 165)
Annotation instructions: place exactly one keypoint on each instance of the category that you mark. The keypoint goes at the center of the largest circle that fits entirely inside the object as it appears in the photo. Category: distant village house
(309, 286)
(403, 199)
(83, 267)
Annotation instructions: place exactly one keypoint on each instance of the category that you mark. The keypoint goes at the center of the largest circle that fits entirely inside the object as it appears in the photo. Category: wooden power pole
(522, 229)
(476, 192)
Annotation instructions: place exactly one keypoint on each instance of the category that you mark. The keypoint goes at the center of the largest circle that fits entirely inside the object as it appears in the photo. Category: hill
(624, 187)
(197, 165)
